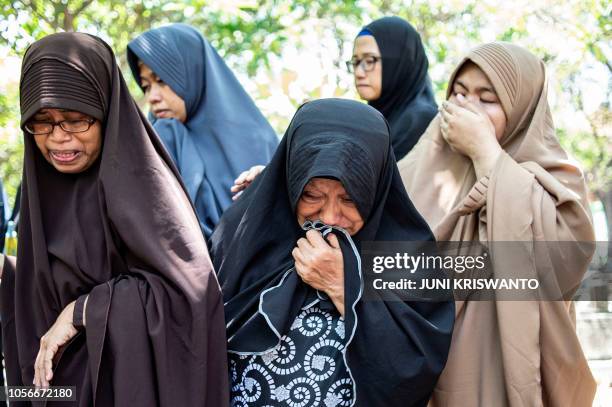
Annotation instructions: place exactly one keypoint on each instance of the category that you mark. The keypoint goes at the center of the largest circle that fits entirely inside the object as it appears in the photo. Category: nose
(360, 71)
(331, 214)
(59, 135)
(154, 94)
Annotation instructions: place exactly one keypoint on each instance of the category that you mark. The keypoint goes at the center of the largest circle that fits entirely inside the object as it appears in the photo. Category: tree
(263, 40)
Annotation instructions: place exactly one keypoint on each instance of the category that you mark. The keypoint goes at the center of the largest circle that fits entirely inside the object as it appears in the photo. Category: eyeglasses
(368, 63)
(69, 126)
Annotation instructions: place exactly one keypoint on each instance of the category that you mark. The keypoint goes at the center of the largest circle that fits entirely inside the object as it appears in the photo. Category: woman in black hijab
(390, 68)
(299, 332)
(114, 291)
(401, 91)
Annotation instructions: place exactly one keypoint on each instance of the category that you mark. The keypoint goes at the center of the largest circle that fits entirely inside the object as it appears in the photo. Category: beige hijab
(510, 353)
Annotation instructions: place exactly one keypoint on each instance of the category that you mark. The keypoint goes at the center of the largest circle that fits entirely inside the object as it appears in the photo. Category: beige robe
(510, 353)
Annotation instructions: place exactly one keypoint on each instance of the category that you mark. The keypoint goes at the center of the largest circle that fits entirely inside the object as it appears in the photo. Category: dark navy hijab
(224, 133)
(407, 99)
(395, 349)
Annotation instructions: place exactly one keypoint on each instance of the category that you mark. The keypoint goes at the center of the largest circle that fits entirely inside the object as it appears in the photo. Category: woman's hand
(320, 265)
(245, 179)
(468, 130)
(58, 335)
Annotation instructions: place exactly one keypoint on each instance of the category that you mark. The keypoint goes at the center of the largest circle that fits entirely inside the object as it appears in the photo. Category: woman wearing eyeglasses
(401, 91)
(114, 291)
(390, 69)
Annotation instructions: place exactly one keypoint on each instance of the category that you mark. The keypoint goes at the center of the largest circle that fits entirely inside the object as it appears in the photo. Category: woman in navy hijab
(207, 121)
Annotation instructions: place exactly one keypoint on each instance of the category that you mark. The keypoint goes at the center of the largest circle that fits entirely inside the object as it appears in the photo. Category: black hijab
(123, 233)
(251, 250)
(407, 99)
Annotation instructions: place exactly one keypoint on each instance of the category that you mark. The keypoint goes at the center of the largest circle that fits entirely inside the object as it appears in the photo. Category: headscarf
(535, 193)
(406, 99)
(224, 133)
(122, 232)
(251, 250)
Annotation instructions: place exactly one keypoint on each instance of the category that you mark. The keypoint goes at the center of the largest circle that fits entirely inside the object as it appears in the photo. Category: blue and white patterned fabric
(306, 369)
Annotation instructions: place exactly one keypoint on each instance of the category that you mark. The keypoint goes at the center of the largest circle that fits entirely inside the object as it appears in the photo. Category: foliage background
(285, 52)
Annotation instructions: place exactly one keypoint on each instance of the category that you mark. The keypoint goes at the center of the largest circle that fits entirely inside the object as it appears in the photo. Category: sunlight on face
(164, 103)
(68, 152)
(472, 83)
(368, 84)
(326, 200)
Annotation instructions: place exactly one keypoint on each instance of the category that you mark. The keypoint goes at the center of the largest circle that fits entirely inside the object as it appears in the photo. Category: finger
(42, 372)
(474, 108)
(444, 131)
(444, 126)
(315, 238)
(48, 362)
(332, 239)
(254, 172)
(298, 256)
(241, 178)
(305, 245)
(237, 188)
(468, 104)
(460, 99)
(304, 273)
(36, 375)
(236, 196)
(445, 116)
(301, 270)
(38, 370)
(450, 107)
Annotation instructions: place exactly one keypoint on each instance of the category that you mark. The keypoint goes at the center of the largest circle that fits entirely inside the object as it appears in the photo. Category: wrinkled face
(472, 83)
(326, 200)
(68, 152)
(368, 83)
(164, 103)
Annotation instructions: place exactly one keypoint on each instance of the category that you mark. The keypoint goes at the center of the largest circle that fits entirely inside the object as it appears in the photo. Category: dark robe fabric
(123, 233)
(395, 350)
(224, 134)
(407, 99)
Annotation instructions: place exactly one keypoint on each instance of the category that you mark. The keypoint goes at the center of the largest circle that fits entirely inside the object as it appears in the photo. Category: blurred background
(286, 52)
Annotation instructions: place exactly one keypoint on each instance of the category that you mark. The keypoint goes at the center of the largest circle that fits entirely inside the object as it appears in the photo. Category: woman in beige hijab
(489, 168)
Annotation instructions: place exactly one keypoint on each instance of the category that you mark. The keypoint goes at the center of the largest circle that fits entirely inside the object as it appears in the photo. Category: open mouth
(65, 157)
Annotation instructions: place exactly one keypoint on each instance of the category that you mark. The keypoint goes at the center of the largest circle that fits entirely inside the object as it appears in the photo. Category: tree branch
(32, 6)
(83, 6)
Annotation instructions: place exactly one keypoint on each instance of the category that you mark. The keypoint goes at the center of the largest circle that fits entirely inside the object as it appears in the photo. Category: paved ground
(594, 329)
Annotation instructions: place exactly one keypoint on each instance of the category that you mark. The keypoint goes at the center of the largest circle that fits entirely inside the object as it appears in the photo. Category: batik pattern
(306, 369)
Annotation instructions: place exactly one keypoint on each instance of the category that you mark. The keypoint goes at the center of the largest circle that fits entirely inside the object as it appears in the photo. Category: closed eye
(310, 197)
(348, 201)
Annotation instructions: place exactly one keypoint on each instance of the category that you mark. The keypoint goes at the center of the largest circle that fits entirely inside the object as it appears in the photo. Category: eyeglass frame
(352, 66)
(89, 121)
